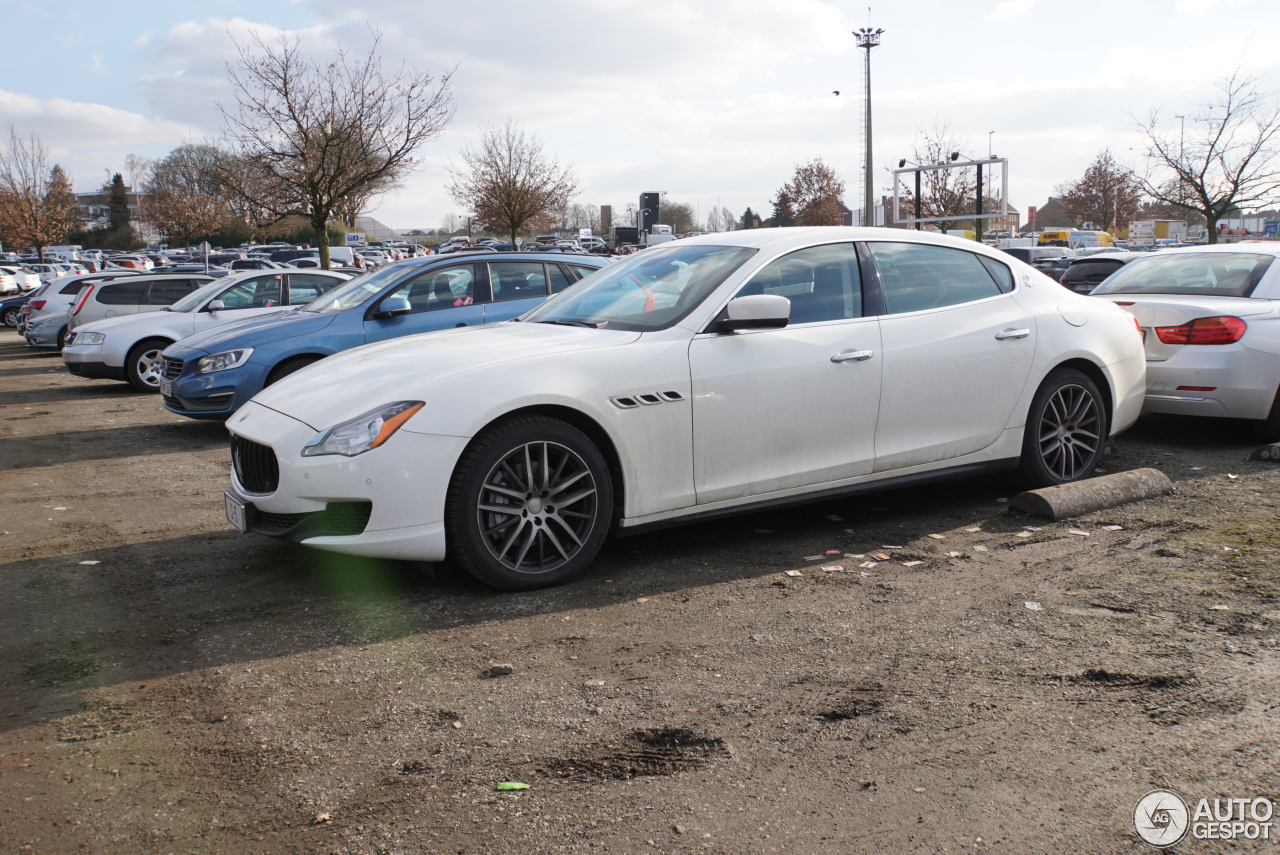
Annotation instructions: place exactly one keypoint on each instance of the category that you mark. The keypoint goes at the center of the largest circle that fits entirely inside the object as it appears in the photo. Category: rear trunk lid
(1160, 310)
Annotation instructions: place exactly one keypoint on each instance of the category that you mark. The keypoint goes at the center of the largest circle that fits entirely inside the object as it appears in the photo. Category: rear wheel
(62, 338)
(12, 316)
(143, 366)
(1066, 430)
(284, 369)
(530, 504)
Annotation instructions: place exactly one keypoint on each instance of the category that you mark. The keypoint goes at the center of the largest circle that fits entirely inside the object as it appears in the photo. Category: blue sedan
(211, 374)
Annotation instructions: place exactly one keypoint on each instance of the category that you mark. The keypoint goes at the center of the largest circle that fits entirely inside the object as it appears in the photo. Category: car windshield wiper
(571, 323)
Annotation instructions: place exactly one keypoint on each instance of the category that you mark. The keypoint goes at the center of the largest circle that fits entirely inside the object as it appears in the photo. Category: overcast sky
(709, 100)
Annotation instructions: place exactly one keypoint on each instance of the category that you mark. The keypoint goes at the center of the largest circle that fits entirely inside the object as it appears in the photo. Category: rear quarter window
(122, 293)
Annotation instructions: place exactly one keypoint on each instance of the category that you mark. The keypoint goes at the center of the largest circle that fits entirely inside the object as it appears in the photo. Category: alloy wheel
(150, 367)
(537, 507)
(1069, 432)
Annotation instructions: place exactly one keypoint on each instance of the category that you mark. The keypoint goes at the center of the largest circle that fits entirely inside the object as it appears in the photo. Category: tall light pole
(868, 39)
(1182, 135)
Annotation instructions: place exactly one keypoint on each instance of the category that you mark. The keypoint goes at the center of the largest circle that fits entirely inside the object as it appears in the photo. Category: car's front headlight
(223, 361)
(364, 432)
(87, 338)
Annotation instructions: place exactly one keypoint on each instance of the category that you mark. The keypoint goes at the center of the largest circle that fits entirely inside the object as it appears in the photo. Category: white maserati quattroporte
(705, 376)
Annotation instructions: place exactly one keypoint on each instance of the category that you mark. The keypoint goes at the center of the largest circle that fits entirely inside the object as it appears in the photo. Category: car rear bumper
(1226, 381)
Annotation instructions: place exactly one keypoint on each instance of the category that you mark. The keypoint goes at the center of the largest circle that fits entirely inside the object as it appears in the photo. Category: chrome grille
(172, 368)
(256, 467)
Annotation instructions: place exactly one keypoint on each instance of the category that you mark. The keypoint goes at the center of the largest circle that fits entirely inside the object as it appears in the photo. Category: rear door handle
(852, 355)
(1001, 336)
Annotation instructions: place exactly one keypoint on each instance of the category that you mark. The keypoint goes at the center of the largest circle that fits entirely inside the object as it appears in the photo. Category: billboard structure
(974, 190)
(649, 203)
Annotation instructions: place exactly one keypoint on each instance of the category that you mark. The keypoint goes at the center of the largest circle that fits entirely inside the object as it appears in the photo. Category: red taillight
(1118, 303)
(1220, 330)
(82, 299)
(35, 305)
(1196, 388)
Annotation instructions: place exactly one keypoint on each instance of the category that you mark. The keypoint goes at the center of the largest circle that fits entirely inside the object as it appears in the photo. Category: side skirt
(968, 470)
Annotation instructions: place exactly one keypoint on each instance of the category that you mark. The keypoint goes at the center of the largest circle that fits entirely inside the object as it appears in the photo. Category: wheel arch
(589, 426)
(1095, 373)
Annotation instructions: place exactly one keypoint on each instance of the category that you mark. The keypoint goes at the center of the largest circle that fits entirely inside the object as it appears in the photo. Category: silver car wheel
(537, 507)
(150, 367)
(1069, 432)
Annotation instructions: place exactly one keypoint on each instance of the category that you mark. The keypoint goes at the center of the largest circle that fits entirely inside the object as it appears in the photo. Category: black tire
(142, 365)
(539, 543)
(284, 369)
(1066, 431)
(1268, 429)
(12, 316)
(62, 338)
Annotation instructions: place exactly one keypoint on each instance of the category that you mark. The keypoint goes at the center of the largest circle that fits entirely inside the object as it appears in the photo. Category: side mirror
(393, 306)
(216, 306)
(756, 312)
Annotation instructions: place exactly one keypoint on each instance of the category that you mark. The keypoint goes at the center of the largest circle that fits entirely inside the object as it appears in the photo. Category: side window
(581, 270)
(559, 281)
(517, 280)
(916, 277)
(305, 287)
(73, 288)
(823, 283)
(260, 292)
(122, 293)
(999, 272)
(170, 292)
(440, 288)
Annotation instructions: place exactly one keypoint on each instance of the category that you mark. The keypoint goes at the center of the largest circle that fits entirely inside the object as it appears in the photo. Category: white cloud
(1009, 9)
(96, 65)
(87, 138)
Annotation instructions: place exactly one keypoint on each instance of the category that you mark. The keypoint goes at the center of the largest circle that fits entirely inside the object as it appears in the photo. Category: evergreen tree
(750, 219)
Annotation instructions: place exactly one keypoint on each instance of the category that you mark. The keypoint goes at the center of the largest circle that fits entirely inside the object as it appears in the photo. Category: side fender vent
(624, 403)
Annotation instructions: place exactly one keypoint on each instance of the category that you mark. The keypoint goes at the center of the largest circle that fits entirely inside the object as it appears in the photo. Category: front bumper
(1242, 382)
(404, 482)
(216, 395)
(43, 334)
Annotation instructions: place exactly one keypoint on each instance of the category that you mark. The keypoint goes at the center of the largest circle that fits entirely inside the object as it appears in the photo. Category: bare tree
(713, 220)
(184, 193)
(37, 205)
(728, 221)
(309, 136)
(450, 223)
(509, 182)
(679, 215)
(813, 195)
(1107, 195)
(943, 192)
(1227, 158)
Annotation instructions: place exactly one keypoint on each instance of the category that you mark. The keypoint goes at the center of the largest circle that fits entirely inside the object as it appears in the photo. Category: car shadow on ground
(50, 395)
(52, 449)
(155, 609)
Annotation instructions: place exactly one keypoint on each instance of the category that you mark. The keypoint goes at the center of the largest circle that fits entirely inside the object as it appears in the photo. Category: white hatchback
(1210, 318)
(713, 375)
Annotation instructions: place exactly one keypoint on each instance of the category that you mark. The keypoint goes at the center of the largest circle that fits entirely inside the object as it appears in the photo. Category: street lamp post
(868, 39)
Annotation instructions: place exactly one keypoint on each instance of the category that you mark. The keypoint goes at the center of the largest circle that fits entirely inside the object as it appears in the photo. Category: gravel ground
(172, 686)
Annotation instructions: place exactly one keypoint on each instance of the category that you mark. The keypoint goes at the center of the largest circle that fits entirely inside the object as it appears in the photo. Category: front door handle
(852, 355)
(1001, 336)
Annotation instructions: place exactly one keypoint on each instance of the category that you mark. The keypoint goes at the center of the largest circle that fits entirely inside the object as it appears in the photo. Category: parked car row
(389, 415)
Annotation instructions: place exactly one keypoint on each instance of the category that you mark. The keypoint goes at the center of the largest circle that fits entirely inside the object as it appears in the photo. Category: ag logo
(1161, 818)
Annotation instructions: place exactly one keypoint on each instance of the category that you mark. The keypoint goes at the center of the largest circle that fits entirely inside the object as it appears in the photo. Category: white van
(345, 256)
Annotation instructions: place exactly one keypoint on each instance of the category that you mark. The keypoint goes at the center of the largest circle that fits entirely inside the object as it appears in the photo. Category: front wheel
(1066, 430)
(530, 504)
(12, 316)
(143, 366)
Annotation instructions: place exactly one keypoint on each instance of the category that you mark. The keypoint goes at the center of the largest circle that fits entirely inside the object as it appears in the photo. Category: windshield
(651, 290)
(192, 301)
(356, 292)
(1217, 274)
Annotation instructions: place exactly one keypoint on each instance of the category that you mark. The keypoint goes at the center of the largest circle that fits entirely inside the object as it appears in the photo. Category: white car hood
(149, 321)
(347, 384)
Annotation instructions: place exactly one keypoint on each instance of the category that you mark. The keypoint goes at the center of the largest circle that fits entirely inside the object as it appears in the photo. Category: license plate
(166, 388)
(236, 512)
